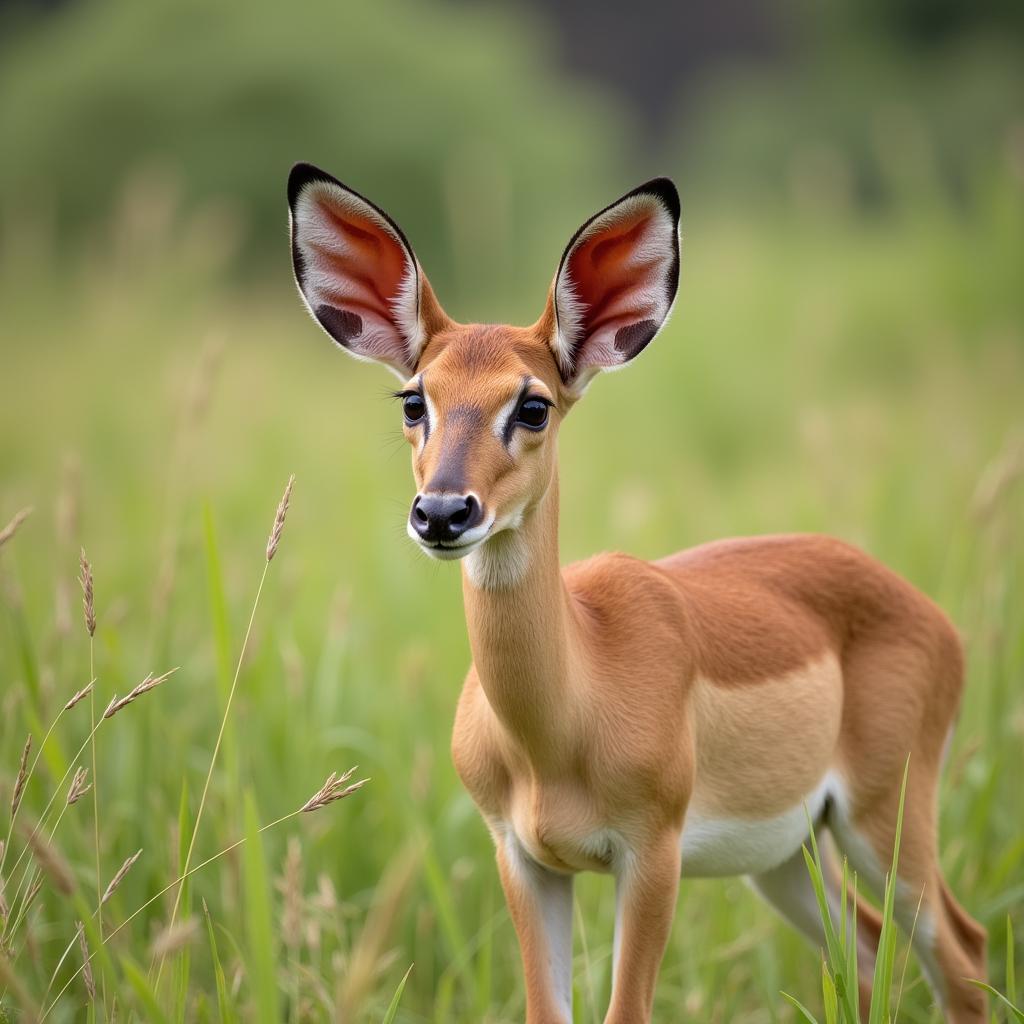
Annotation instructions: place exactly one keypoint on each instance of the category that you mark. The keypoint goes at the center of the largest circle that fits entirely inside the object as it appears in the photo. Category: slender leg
(788, 889)
(540, 903)
(646, 890)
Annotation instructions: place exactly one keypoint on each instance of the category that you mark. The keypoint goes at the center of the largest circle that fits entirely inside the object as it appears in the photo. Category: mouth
(454, 550)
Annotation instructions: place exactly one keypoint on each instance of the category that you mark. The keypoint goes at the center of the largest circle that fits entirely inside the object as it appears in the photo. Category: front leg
(540, 903)
(647, 883)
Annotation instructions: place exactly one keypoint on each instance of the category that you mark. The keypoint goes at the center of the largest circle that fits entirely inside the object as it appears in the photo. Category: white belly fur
(718, 847)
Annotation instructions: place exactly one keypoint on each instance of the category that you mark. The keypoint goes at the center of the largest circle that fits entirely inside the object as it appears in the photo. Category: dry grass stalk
(32, 893)
(197, 397)
(272, 543)
(290, 887)
(151, 682)
(174, 937)
(79, 786)
(5, 910)
(19, 783)
(12, 527)
(368, 952)
(88, 605)
(119, 877)
(998, 477)
(80, 696)
(282, 511)
(50, 861)
(11, 981)
(90, 983)
(334, 788)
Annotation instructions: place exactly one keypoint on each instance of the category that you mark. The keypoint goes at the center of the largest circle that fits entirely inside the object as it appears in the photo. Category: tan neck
(522, 631)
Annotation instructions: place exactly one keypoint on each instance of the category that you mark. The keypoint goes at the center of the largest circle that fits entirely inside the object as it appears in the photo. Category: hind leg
(949, 944)
(789, 890)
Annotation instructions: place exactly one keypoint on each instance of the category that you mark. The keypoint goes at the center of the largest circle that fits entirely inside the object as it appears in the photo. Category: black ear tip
(665, 189)
(301, 175)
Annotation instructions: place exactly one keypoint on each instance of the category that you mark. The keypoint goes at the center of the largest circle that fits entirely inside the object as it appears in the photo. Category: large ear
(616, 282)
(357, 272)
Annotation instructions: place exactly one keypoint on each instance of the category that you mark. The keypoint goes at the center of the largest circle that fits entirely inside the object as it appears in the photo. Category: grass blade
(397, 998)
(835, 945)
(800, 1008)
(881, 986)
(262, 966)
(1011, 973)
(143, 991)
(221, 637)
(1014, 1012)
(224, 1009)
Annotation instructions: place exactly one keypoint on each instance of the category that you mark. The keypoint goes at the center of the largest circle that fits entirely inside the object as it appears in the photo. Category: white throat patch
(501, 561)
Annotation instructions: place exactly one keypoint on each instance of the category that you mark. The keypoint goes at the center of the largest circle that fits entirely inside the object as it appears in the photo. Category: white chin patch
(470, 541)
(447, 554)
(500, 562)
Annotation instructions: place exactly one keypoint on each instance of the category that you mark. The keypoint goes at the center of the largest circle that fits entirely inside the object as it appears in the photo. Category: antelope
(651, 720)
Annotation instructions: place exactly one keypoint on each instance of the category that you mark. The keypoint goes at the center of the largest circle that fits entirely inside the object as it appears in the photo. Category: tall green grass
(820, 373)
(840, 980)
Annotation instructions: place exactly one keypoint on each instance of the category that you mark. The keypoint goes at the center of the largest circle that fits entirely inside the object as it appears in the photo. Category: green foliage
(224, 1008)
(392, 1010)
(809, 380)
(839, 974)
(823, 371)
(259, 926)
(433, 109)
(862, 126)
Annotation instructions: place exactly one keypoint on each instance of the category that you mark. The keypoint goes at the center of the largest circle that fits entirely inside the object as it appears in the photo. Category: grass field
(862, 378)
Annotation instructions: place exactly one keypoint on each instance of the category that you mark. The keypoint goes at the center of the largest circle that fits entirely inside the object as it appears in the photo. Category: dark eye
(414, 407)
(533, 413)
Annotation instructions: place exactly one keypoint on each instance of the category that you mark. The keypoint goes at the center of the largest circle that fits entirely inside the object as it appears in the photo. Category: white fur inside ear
(406, 310)
(577, 343)
(393, 335)
(570, 309)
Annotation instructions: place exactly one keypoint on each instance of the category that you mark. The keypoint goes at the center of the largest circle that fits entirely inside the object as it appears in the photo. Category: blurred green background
(846, 355)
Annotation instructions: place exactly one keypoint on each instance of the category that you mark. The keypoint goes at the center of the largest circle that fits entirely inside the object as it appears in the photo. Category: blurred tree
(449, 118)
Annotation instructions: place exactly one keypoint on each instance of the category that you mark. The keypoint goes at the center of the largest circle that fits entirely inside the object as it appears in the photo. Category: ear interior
(617, 281)
(355, 270)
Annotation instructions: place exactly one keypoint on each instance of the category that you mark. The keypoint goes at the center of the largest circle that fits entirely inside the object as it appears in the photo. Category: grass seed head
(119, 877)
(174, 937)
(33, 892)
(151, 682)
(83, 945)
(335, 788)
(282, 511)
(50, 862)
(79, 786)
(80, 696)
(12, 527)
(88, 605)
(19, 783)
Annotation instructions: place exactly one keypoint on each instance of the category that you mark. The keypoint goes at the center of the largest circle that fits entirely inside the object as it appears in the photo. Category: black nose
(443, 518)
